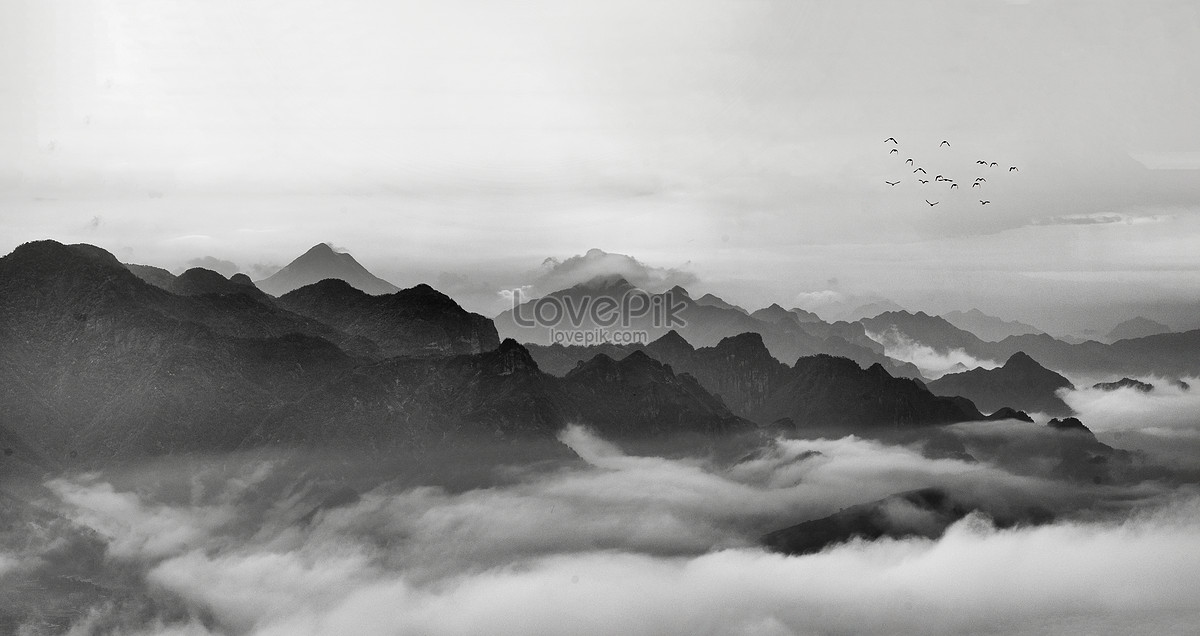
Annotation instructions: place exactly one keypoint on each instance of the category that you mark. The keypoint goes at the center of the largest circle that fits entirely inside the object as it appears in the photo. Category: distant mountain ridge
(321, 262)
(787, 334)
(987, 327)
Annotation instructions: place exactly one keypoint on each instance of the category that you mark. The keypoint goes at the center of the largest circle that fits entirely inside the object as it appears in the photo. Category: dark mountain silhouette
(739, 369)
(987, 327)
(319, 263)
(1124, 383)
(710, 300)
(99, 364)
(639, 395)
(156, 276)
(1021, 383)
(1138, 327)
(416, 321)
(776, 315)
(785, 336)
(501, 394)
(199, 281)
(824, 392)
(925, 513)
(932, 331)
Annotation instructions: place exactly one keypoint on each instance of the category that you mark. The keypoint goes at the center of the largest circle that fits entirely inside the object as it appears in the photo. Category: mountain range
(106, 360)
(1176, 353)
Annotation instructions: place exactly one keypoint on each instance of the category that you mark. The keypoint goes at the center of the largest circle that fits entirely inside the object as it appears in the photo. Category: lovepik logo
(602, 311)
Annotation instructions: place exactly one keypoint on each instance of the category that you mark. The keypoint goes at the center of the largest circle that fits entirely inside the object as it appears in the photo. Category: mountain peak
(1021, 359)
(319, 263)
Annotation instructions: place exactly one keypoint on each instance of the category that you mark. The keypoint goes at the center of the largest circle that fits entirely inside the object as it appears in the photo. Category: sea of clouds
(605, 543)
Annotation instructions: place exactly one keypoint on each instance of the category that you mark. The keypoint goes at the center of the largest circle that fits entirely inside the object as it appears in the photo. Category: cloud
(932, 363)
(1167, 410)
(615, 543)
(558, 274)
(222, 267)
(1097, 218)
(1068, 577)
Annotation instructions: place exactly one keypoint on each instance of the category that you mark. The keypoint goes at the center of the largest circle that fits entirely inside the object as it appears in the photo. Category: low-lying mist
(932, 363)
(596, 542)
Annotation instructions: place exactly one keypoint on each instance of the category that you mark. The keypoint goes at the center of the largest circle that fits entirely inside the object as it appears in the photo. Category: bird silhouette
(992, 164)
(893, 151)
(909, 161)
(980, 180)
(953, 185)
(891, 183)
(921, 170)
(975, 185)
(982, 202)
(923, 180)
(1012, 168)
(982, 163)
(932, 203)
(944, 143)
(940, 178)
(891, 139)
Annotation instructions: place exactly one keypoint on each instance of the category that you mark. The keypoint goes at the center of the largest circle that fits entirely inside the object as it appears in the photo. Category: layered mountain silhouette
(738, 369)
(987, 327)
(1021, 383)
(1176, 353)
(823, 392)
(319, 263)
(786, 334)
(101, 364)
(416, 321)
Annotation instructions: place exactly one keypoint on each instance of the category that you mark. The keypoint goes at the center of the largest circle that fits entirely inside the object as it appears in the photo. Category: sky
(739, 143)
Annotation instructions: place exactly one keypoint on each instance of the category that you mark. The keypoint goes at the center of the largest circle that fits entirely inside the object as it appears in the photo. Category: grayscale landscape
(713, 317)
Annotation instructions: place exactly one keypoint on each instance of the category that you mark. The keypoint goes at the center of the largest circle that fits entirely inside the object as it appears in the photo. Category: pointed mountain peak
(678, 292)
(321, 262)
(672, 341)
(710, 300)
(1021, 359)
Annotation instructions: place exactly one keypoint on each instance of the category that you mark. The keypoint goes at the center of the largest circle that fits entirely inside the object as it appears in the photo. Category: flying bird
(979, 179)
(982, 163)
(944, 143)
(921, 170)
(940, 178)
(953, 185)
(893, 151)
(891, 139)
(932, 203)
(891, 183)
(923, 180)
(1012, 168)
(909, 161)
(982, 202)
(975, 185)
(992, 164)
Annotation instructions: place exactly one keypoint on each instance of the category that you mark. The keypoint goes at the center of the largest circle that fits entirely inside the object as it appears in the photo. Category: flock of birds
(941, 179)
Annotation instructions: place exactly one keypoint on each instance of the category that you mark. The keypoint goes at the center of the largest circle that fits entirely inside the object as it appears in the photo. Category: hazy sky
(740, 142)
